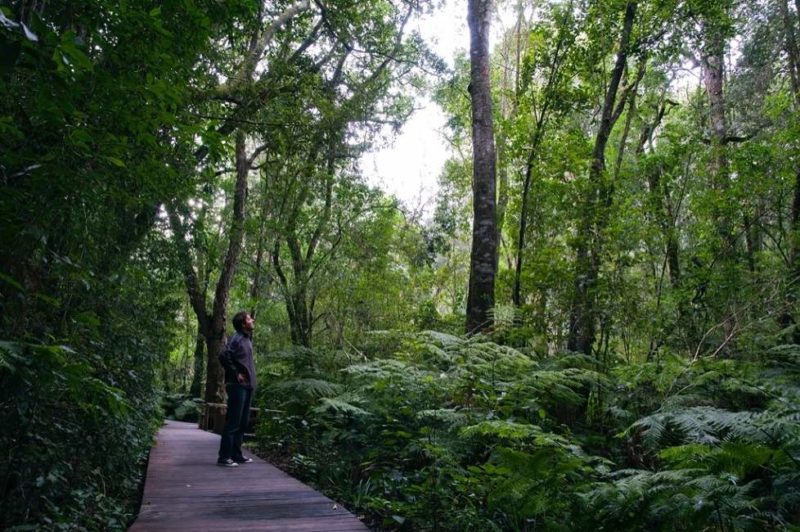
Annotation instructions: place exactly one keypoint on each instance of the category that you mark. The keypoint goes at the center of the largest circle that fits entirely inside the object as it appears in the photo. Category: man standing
(240, 383)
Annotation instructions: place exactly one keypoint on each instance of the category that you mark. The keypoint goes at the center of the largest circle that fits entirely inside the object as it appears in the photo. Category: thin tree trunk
(713, 79)
(623, 141)
(199, 365)
(516, 294)
(541, 120)
(713, 61)
(660, 197)
(790, 45)
(502, 140)
(257, 287)
(215, 379)
(751, 239)
(483, 261)
(597, 203)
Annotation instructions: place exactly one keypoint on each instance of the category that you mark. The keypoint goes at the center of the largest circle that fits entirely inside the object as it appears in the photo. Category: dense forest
(595, 327)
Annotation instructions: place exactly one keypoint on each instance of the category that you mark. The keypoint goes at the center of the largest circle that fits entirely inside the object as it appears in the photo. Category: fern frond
(787, 356)
(449, 417)
(308, 388)
(441, 339)
(378, 369)
(708, 425)
(572, 359)
(512, 431)
(341, 406)
(506, 430)
(560, 386)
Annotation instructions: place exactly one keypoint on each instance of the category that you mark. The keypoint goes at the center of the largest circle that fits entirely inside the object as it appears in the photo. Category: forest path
(186, 490)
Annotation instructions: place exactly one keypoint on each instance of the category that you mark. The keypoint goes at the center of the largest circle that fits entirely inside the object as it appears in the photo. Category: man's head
(243, 322)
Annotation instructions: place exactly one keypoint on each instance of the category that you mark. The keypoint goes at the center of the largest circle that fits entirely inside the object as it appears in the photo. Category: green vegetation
(164, 164)
(444, 433)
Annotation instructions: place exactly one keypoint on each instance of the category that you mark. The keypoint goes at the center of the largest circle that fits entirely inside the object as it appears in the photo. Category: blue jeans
(236, 420)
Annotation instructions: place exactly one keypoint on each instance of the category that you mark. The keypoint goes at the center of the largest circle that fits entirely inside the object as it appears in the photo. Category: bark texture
(483, 261)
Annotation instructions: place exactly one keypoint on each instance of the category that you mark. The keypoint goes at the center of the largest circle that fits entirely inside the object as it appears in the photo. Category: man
(240, 382)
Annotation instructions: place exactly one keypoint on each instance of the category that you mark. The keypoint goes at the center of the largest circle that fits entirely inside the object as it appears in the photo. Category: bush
(182, 407)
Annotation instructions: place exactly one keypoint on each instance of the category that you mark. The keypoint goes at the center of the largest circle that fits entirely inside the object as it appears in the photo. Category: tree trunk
(199, 354)
(258, 269)
(480, 300)
(662, 212)
(713, 79)
(300, 320)
(542, 116)
(516, 295)
(661, 206)
(790, 44)
(215, 379)
(597, 203)
(508, 110)
(213, 324)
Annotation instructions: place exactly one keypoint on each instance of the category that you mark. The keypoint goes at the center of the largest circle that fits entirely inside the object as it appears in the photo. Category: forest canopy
(594, 328)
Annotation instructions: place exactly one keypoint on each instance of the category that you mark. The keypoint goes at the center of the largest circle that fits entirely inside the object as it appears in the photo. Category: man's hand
(241, 378)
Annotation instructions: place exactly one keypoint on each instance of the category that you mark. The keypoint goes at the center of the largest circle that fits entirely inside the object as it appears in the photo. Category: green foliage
(446, 432)
(181, 407)
(685, 418)
(723, 467)
(466, 434)
(80, 416)
(63, 443)
(95, 101)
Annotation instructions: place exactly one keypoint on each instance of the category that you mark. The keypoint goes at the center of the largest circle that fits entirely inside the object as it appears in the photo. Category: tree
(597, 201)
(95, 97)
(483, 258)
(245, 80)
(546, 61)
(793, 56)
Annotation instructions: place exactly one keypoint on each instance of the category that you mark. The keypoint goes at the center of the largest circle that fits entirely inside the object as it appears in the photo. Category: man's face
(249, 322)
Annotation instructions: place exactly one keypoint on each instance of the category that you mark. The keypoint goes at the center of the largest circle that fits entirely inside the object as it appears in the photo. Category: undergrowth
(438, 432)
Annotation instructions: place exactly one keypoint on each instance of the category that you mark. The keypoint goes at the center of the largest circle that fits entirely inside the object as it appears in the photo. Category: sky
(409, 167)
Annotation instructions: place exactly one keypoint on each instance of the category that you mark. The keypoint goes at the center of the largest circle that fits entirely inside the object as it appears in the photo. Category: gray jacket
(237, 358)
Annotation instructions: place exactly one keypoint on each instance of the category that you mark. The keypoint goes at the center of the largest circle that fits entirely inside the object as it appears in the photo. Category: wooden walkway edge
(186, 490)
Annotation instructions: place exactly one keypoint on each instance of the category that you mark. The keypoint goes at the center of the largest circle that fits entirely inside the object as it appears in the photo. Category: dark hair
(238, 320)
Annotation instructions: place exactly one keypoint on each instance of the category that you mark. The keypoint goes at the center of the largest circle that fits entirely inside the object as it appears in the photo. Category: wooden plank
(186, 490)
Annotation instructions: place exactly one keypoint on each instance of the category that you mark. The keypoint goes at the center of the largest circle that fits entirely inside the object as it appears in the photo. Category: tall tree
(550, 58)
(95, 97)
(483, 258)
(597, 200)
(346, 95)
(793, 56)
(246, 87)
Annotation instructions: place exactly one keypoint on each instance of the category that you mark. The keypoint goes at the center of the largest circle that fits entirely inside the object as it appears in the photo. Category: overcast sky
(409, 167)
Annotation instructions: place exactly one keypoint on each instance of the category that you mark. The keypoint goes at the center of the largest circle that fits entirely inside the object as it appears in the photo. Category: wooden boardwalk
(186, 490)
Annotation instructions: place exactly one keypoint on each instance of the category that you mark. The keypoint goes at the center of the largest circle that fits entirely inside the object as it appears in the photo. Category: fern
(503, 430)
(340, 405)
(379, 369)
(510, 431)
(308, 388)
(442, 339)
(447, 417)
(709, 425)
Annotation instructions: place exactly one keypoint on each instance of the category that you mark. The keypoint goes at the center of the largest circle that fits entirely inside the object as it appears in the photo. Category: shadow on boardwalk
(186, 490)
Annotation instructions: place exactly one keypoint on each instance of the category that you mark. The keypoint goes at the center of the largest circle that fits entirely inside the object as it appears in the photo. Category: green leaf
(116, 162)
(11, 281)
